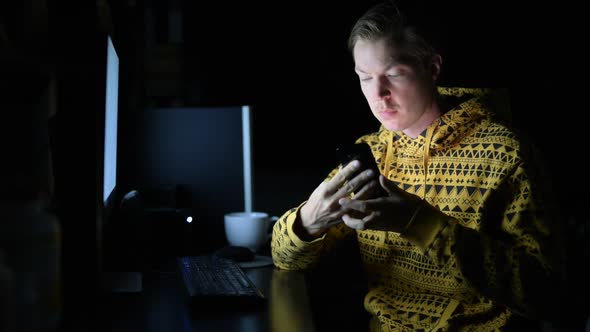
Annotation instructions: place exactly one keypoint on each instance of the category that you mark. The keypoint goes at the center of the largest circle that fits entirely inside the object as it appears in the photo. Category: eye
(365, 78)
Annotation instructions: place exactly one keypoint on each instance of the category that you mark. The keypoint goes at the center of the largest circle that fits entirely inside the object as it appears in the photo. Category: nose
(382, 88)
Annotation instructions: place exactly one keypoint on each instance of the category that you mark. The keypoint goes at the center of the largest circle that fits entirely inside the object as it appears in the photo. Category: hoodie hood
(469, 108)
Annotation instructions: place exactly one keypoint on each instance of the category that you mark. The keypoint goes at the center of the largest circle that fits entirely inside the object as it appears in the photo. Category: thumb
(387, 185)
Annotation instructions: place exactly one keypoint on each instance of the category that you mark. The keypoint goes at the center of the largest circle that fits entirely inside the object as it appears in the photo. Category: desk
(160, 307)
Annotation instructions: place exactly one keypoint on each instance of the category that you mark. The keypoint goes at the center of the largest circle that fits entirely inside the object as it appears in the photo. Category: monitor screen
(207, 150)
(110, 121)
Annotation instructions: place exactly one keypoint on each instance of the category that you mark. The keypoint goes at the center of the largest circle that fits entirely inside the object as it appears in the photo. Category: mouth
(383, 107)
(388, 111)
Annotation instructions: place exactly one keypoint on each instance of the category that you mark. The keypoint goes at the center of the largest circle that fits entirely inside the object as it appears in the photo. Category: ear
(435, 66)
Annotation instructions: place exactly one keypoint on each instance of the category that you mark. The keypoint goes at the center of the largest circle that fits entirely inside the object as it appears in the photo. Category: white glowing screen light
(110, 128)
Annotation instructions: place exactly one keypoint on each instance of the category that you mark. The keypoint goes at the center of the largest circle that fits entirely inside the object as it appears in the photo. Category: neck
(428, 117)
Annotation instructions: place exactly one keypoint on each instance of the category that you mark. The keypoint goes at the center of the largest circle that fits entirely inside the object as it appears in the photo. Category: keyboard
(216, 278)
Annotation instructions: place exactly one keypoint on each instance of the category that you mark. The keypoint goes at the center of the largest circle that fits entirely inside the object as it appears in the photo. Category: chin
(392, 126)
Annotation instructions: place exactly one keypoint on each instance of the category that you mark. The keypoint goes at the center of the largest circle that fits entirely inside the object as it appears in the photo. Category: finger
(353, 223)
(353, 204)
(370, 221)
(339, 179)
(348, 187)
(356, 183)
(371, 216)
(366, 190)
(368, 205)
(344, 201)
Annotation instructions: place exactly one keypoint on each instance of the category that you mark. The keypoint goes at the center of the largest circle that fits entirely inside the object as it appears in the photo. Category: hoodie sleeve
(290, 252)
(507, 259)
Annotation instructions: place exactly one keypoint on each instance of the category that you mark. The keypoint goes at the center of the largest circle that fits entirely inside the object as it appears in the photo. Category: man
(459, 241)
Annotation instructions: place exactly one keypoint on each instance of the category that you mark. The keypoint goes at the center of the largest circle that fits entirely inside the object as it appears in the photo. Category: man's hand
(322, 210)
(390, 213)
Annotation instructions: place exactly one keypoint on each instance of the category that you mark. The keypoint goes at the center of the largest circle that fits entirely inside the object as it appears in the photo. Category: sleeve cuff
(299, 242)
(425, 226)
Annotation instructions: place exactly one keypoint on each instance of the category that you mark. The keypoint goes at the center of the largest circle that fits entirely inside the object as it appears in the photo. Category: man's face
(397, 94)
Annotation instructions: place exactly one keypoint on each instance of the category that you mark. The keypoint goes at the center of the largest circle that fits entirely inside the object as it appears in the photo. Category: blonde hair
(385, 21)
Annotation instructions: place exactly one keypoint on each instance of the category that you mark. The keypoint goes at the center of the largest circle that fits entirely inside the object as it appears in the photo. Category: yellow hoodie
(478, 252)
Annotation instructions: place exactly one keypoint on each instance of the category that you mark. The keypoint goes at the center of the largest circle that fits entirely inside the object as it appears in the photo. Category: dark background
(289, 61)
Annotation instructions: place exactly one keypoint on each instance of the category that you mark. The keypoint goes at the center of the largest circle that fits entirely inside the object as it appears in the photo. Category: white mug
(248, 229)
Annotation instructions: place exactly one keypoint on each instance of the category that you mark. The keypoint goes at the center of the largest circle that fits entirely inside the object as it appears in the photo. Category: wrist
(304, 232)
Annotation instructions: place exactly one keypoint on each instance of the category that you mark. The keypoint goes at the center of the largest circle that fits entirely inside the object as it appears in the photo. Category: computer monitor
(107, 154)
(83, 100)
(110, 123)
(206, 150)
(119, 268)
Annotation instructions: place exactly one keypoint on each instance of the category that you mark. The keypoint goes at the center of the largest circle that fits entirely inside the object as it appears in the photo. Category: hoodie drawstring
(425, 156)
(388, 154)
(429, 134)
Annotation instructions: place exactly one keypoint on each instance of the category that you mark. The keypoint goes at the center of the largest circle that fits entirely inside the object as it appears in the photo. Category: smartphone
(361, 152)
